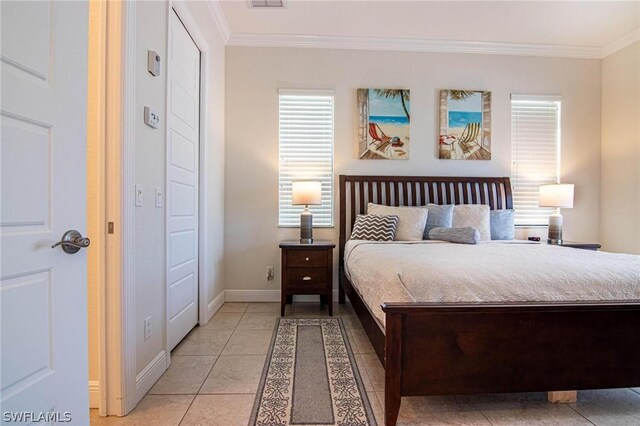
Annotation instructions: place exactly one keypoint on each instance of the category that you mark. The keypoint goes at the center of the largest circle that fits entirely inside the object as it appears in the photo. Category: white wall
(620, 183)
(150, 292)
(254, 76)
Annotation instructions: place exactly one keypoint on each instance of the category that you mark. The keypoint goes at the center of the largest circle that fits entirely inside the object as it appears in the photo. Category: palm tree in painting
(403, 94)
(460, 95)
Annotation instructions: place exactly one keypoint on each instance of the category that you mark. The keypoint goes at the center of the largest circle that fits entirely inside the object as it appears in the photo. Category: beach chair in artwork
(470, 133)
(378, 135)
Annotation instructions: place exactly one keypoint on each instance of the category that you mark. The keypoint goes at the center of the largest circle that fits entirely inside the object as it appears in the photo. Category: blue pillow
(502, 227)
(439, 216)
(464, 235)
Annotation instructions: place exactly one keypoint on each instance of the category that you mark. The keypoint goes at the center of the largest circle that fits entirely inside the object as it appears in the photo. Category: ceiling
(566, 23)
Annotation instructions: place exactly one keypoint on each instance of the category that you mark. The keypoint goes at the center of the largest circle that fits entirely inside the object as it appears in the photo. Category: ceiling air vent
(264, 4)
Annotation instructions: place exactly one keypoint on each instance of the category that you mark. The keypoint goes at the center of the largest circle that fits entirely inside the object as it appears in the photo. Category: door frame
(192, 28)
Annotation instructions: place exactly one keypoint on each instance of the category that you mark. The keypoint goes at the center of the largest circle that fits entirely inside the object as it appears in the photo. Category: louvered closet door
(182, 182)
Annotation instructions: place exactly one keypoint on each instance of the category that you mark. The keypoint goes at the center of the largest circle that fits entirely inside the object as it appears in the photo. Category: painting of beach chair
(378, 135)
(470, 133)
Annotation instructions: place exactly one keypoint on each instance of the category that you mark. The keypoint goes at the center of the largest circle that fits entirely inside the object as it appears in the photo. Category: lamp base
(306, 227)
(555, 229)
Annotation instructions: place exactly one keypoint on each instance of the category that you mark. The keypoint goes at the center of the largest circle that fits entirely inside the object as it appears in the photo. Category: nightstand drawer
(307, 259)
(306, 279)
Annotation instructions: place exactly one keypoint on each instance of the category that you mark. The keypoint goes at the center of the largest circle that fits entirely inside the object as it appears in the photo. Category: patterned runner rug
(310, 378)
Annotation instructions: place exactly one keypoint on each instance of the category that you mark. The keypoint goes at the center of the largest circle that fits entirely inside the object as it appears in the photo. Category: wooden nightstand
(307, 269)
(583, 246)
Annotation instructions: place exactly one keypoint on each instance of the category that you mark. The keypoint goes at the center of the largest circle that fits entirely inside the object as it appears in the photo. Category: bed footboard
(450, 349)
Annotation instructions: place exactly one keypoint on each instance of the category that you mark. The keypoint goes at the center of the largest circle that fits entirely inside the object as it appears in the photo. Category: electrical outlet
(270, 273)
(147, 328)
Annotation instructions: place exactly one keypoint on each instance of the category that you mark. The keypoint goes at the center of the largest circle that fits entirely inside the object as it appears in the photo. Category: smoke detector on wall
(266, 4)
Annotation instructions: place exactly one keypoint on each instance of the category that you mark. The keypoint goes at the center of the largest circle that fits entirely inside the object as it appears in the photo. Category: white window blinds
(306, 152)
(535, 154)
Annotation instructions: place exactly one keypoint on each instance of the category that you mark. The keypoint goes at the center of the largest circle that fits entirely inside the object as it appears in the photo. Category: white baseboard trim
(215, 305)
(252, 295)
(268, 296)
(94, 394)
(150, 374)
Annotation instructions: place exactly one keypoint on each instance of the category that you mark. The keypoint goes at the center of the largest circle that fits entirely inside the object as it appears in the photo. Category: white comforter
(434, 271)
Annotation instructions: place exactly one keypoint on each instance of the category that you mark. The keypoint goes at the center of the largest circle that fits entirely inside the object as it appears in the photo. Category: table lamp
(558, 195)
(306, 193)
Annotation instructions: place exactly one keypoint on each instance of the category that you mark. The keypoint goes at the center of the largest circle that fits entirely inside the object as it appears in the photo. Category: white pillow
(412, 220)
(474, 215)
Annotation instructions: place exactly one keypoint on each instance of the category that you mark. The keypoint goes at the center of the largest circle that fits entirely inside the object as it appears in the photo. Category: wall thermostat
(153, 63)
(151, 117)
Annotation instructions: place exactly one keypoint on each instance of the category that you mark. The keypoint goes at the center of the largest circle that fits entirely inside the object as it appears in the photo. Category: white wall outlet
(147, 328)
(270, 273)
(151, 117)
(159, 197)
(139, 195)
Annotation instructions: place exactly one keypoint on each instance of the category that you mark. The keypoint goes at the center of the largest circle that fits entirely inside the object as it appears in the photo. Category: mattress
(496, 271)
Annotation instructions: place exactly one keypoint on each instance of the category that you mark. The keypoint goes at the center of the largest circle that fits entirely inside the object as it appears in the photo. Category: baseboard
(150, 374)
(268, 296)
(94, 394)
(252, 295)
(215, 305)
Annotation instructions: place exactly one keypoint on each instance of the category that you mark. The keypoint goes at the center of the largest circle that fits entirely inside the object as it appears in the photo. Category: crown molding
(220, 20)
(620, 43)
(413, 45)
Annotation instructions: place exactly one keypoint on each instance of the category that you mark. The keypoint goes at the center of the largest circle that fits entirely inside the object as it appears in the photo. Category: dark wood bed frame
(450, 349)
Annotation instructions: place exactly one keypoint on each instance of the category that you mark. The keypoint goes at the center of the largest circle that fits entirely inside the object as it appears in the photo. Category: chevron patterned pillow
(374, 228)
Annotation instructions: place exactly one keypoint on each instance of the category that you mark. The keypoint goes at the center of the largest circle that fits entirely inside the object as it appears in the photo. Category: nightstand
(583, 246)
(307, 269)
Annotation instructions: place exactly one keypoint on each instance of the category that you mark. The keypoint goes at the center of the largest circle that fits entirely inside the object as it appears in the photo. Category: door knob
(72, 241)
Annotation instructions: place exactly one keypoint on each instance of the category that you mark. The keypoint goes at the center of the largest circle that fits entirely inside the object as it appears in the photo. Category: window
(306, 152)
(535, 154)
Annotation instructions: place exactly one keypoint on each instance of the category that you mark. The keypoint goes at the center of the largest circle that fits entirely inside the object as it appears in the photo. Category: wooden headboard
(357, 191)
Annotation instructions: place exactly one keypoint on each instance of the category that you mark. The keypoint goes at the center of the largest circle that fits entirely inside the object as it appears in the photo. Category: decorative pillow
(411, 220)
(374, 228)
(465, 235)
(440, 216)
(502, 227)
(473, 215)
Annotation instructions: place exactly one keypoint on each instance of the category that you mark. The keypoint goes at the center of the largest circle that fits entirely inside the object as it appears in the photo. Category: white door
(43, 179)
(182, 181)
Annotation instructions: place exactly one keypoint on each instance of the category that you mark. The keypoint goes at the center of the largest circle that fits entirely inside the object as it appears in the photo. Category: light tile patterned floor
(215, 371)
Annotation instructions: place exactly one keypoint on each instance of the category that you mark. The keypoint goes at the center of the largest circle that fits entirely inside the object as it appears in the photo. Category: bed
(467, 346)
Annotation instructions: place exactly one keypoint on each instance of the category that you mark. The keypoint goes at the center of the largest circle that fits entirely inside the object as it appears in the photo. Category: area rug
(310, 377)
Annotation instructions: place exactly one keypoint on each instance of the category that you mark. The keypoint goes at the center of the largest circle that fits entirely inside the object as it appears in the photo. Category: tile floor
(215, 371)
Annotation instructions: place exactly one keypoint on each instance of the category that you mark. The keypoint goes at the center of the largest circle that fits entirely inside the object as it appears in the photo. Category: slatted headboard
(357, 191)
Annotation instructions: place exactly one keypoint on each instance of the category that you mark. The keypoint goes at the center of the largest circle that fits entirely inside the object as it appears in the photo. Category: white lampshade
(306, 193)
(556, 195)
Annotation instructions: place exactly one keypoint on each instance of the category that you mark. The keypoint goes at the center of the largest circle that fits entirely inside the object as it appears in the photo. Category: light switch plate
(138, 195)
(159, 197)
(153, 63)
(151, 117)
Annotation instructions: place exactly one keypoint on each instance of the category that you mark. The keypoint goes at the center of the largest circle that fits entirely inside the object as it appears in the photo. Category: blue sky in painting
(472, 104)
(385, 107)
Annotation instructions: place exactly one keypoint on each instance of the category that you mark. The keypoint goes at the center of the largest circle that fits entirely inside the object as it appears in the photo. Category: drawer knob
(306, 278)
(306, 258)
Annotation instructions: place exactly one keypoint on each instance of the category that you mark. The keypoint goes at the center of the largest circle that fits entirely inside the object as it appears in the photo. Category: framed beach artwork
(384, 117)
(465, 125)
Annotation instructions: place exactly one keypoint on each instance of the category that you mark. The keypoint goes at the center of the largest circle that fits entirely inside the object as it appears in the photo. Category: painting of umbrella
(383, 131)
(465, 125)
